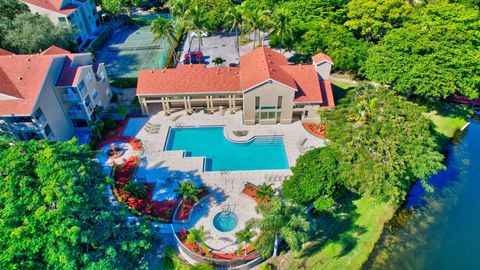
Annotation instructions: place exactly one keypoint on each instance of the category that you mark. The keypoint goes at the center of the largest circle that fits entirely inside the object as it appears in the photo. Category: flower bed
(251, 191)
(195, 248)
(315, 129)
(187, 205)
(157, 211)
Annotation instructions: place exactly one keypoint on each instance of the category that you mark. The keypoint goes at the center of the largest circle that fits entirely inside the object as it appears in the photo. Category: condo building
(265, 87)
(80, 15)
(51, 95)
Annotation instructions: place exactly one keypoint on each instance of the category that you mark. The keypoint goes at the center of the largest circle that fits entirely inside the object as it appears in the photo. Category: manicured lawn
(446, 125)
(345, 238)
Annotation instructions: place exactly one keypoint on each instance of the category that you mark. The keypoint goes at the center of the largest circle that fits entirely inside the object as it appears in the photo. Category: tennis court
(130, 49)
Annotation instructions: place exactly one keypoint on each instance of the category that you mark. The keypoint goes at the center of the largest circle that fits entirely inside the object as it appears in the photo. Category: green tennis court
(130, 49)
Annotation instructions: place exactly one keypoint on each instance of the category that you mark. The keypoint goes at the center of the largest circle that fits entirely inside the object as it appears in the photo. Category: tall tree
(197, 236)
(385, 143)
(282, 26)
(196, 21)
(373, 18)
(315, 179)
(188, 191)
(234, 23)
(164, 28)
(33, 33)
(436, 54)
(245, 237)
(11, 8)
(280, 220)
(54, 213)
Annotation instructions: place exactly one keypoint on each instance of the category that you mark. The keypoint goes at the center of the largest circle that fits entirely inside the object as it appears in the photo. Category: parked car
(195, 56)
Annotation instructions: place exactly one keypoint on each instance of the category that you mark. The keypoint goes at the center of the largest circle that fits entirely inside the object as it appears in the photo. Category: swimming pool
(262, 153)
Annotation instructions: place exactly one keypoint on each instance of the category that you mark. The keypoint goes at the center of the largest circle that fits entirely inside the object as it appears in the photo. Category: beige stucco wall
(51, 107)
(268, 93)
(323, 70)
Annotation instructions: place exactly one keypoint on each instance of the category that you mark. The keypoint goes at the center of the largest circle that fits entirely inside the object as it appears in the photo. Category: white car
(202, 34)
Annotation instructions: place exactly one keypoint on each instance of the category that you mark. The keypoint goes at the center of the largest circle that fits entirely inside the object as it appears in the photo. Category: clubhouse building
(265, 87)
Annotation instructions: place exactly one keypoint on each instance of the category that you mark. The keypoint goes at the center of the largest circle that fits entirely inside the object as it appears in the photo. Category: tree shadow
(336, 226)
(340, 93)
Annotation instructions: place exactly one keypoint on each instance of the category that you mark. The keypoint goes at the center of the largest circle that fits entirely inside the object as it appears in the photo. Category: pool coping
(184, 152)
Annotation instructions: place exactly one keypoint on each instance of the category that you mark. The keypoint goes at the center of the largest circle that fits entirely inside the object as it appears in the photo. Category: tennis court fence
(135, 48)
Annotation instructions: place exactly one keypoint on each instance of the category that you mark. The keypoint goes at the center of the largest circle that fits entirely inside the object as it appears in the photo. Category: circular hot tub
(225, 221)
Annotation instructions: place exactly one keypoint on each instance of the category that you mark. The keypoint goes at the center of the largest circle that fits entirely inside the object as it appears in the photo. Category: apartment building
(51, 95)
(265, 87)
(80, 15)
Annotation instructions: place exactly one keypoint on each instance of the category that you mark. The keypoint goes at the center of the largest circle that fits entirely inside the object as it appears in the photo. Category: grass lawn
(345, 237)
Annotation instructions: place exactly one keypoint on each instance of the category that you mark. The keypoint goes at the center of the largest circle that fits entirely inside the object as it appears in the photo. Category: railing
(76, 114)
(24, 126)
(71, 98)
(242, 263)
(83, 91)
(42, 121)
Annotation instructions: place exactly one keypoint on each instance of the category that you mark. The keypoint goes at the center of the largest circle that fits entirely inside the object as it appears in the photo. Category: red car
(196, 56)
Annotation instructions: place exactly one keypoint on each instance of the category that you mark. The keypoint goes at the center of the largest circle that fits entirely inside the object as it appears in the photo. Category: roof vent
(152, 71)
(163, 71)
(20, 78)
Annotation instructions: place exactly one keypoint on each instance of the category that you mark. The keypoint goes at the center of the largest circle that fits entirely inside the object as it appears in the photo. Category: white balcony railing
(42, 121)
(24, 126)
(75, 113)
(70, 98)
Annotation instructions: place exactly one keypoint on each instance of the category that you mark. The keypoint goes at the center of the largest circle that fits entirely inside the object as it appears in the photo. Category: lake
(438, 230)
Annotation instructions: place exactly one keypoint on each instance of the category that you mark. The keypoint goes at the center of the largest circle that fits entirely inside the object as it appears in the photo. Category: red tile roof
(53, 5)
(321, 57)
(263, 64)
(70, 74)
(258, 66)
(308, 83)
(21, 79)
(5, 52)
(188, 79)
(52, 50)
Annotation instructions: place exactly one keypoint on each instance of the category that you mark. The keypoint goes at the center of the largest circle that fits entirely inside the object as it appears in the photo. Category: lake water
(439, 230)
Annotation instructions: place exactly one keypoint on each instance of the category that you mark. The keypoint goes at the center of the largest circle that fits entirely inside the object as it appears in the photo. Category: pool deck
(168, 168)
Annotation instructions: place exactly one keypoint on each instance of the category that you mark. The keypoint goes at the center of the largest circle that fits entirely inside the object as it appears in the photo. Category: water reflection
(438, 230)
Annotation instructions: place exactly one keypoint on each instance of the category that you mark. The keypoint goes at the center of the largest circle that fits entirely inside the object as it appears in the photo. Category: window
(102, 76)
(62, 19)
(100, 104)
(257, 103)
(279, 103)
(47, 130)
(89, 77)
(79, 123)
(109, 93)
(267, 115)
(95, 94)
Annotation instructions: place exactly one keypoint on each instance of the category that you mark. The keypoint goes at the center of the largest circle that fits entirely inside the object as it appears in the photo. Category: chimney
(323, 65)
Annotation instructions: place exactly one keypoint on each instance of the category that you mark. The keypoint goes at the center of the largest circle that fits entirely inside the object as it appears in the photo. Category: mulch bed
(159, 211)
(315, 129)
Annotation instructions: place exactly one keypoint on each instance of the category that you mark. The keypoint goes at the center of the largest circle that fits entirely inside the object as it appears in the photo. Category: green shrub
(266, 266)
(137, 190)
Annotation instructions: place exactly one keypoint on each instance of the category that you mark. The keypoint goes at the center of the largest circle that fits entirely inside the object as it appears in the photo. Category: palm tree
(281, 220)
(253, 23)
(218, 61)
(197, 237)
(245, 237)
(282, 26)
(265, 192)
(235, 22)
(196, 22)
(163, 28)
(188, 191)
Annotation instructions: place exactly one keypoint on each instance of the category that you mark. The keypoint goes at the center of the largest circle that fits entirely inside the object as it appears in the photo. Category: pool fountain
(225, 221)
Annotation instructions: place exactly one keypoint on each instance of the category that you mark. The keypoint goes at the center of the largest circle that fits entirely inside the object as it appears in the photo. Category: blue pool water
(263, 153)
(134, 125)
(225, 221)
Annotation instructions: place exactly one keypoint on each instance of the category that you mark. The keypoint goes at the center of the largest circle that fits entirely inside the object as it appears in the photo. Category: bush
(124, 82)
(266, 266)
(137, 190)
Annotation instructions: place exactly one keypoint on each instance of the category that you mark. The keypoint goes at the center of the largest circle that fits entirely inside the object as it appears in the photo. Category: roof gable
(53, 50)
(263, 64)
(320, 58)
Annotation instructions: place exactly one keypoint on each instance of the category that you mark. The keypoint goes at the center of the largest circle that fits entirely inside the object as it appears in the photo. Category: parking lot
(219, 45)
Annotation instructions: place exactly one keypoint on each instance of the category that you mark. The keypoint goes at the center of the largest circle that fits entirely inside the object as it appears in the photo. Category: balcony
(76, 114)
(24, 126)
(42, 121)
(70, 98)
(89, 108)
(83, 91)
